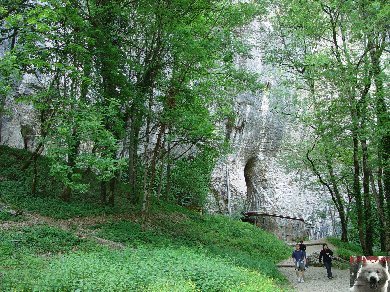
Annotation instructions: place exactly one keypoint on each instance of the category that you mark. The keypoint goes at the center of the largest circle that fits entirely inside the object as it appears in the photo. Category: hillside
(50, 245)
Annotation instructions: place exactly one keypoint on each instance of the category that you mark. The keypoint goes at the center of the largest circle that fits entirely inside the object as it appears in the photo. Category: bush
(190, 181)
(346, 249)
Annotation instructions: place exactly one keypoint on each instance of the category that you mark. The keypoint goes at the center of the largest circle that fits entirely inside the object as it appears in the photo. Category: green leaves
(326, 47)
(191, 179)
(104, 73)
(143, 269)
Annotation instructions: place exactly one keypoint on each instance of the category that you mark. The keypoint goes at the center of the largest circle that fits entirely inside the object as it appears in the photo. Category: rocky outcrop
(18, 126)
(237, 178)
(251, 177)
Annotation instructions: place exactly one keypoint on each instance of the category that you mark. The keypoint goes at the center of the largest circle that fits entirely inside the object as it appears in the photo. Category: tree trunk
(66, 194)
(383, 223)
(357, 194)
(168, 174)
(35, 178)
(33, 157)
(340, 201)
(133, 156)
(356, 178)
(103, 192)
(160, 181)
(111, 191)
(145, 200)
(383, 121)
(155, 156)
(1, 121)
(385, 243)
(1, 126)
(73, 152)
(367, 200)
(337, 199)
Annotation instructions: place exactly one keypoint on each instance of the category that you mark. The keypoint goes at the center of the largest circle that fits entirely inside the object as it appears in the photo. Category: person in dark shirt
(326, 256)
(299, 258)
(303, 248)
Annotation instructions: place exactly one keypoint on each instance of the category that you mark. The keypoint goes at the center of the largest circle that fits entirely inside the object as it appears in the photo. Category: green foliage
(123, 70)
(81, 206)
(27, 250)
(61, 145)
(9, 73)
(15, 189)
(175, 250)
(145, 269)
(346, 249)
(334, 54)
(106, 73)
(241, 243)
(17, 182)
(191, 179)
(159, 258)
(201, 251)
(7, 216)
(42, 239)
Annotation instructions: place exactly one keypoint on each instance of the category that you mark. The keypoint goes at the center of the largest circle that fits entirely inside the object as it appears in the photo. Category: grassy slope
(176, 250)
(347, 249)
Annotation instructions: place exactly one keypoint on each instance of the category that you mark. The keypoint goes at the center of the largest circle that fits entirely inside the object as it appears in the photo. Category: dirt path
(79, 226)
(315, 277)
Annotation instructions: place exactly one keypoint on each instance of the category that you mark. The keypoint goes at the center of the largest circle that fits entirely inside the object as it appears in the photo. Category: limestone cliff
(252, 176)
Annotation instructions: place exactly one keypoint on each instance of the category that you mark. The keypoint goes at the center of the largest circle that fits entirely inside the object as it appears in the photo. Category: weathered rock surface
(252, 177)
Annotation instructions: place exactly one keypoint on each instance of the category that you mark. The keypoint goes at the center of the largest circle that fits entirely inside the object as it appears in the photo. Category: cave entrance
(249, 174)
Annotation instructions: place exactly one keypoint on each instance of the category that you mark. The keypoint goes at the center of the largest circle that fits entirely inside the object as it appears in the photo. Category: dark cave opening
(249, 172)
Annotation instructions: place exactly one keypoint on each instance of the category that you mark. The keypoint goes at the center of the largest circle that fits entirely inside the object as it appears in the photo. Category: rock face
(252, 179)
(237, 178)
(18, 126)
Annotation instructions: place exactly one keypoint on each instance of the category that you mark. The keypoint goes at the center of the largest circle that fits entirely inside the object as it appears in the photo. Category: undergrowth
(345, 250)
(241, 243)
(15, 190)
(144, 269)
(7, 216)
(173, 250)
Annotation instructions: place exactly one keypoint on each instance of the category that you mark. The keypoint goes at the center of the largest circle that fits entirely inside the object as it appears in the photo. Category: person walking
(302, 246)
(299, 259)
(326, 256)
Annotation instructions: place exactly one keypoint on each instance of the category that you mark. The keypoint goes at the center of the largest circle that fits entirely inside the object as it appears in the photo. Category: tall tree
(327, 44)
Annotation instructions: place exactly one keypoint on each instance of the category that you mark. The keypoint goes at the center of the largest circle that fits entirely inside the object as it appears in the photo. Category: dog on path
(372, 276)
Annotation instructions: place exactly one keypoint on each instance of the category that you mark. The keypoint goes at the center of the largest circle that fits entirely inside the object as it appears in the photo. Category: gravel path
(315, 277)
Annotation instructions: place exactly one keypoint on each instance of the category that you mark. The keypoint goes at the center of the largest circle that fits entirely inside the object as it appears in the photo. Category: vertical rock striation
(251, 177)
